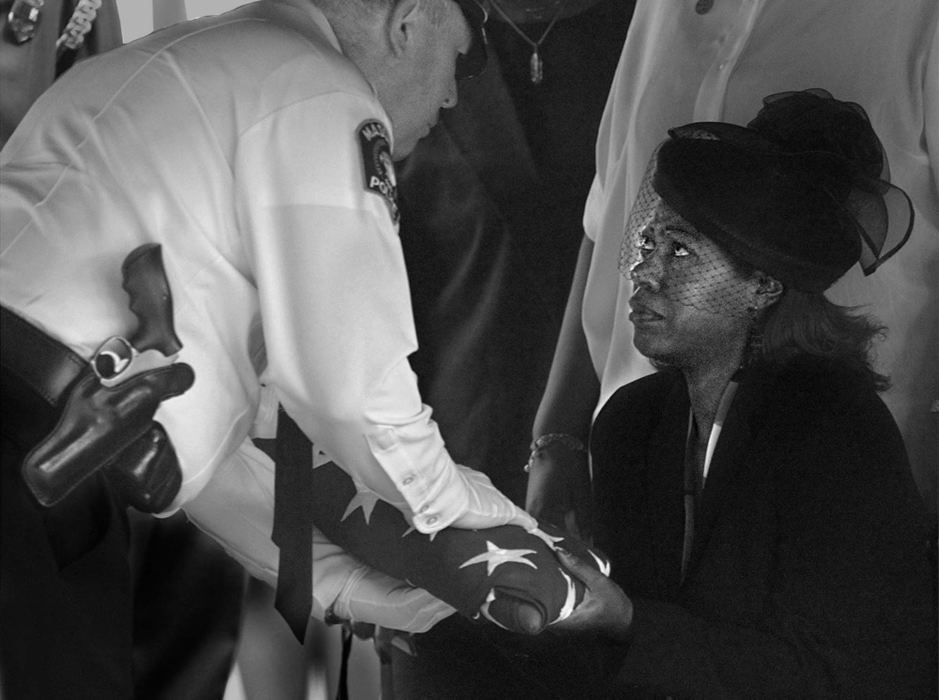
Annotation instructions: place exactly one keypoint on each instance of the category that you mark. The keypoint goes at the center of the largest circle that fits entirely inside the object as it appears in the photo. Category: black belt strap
(44, 364)
(293, 524)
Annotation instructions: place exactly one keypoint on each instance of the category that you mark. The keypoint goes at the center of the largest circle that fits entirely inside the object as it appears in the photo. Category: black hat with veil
(801, 193)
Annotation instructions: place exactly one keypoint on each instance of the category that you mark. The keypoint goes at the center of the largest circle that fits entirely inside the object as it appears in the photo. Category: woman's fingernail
(560, 550)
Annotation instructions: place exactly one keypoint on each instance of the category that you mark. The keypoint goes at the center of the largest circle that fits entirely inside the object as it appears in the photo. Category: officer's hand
(487, 506)
(559, 489)
(605, 609)
(383, 600)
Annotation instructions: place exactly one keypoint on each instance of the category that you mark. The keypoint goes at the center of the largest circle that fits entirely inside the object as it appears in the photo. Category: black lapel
(731, 460)
(666, 486)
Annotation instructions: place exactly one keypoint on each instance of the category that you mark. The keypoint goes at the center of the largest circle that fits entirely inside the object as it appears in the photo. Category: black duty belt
(47, 366)
(37, 373)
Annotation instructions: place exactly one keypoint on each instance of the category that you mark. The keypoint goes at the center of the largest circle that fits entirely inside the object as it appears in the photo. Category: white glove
(373, 597)
(485, 506)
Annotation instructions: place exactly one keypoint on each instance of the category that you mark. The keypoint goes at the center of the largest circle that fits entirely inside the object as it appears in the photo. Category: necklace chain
(536, 65)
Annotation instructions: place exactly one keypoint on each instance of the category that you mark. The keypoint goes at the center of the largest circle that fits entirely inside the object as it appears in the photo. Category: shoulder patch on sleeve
(379, 168)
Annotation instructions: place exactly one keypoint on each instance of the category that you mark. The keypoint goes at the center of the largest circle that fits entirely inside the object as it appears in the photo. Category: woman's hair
(809, 324)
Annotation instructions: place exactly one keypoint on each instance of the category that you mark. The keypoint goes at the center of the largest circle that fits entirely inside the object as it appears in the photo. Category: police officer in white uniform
(253, 147)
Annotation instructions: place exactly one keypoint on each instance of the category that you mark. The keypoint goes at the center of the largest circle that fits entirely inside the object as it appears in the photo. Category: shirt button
(431, 519)
(423, 509)
(385, 439)
(408, 480)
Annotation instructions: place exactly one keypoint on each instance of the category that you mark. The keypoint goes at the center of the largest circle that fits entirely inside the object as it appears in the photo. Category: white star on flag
(604, 566)
(496, 556)
(569, 601)
(363, 499)
(490, 596)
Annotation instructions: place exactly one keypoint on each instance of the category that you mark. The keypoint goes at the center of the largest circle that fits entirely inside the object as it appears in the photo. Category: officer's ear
(405, 22)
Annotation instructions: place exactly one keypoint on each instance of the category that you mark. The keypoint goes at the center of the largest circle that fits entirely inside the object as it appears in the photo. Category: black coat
(810, 574)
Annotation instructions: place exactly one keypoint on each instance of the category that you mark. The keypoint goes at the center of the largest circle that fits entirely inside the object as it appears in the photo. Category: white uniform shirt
(679, 66)
(234, 142)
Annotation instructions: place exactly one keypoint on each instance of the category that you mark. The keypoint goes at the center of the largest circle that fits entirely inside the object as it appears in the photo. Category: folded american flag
(506, 574)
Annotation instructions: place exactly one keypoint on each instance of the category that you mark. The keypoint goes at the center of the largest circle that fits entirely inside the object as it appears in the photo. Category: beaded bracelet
(569, 441)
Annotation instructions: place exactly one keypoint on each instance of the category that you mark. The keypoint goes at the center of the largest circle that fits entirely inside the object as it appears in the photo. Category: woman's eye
(679, 250)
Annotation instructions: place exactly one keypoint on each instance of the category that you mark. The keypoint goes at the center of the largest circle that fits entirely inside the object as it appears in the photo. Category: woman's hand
(605, 609)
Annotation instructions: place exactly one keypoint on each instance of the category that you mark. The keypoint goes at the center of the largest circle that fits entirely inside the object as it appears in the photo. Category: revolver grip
(150, 300)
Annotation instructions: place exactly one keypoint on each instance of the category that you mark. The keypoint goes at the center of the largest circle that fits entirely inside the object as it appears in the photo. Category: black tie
(293, 523)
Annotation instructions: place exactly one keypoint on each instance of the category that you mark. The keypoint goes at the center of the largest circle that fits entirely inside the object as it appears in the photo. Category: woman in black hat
(754, 495)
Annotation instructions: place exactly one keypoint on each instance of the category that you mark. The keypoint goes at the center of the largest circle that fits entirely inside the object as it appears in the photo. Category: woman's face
(689, 306)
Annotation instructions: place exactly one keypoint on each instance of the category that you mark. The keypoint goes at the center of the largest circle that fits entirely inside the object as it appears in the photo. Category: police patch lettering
(379, 169)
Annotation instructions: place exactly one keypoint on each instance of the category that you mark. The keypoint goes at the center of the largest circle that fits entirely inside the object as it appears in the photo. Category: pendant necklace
(535, 63)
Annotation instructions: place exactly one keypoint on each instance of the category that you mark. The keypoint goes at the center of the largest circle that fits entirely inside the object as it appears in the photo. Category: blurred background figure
(43, 40)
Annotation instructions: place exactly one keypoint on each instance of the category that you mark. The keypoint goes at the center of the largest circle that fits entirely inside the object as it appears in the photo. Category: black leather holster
(39, 377)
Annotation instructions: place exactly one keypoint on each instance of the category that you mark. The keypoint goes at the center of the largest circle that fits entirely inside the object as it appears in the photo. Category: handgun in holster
(107, 422)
